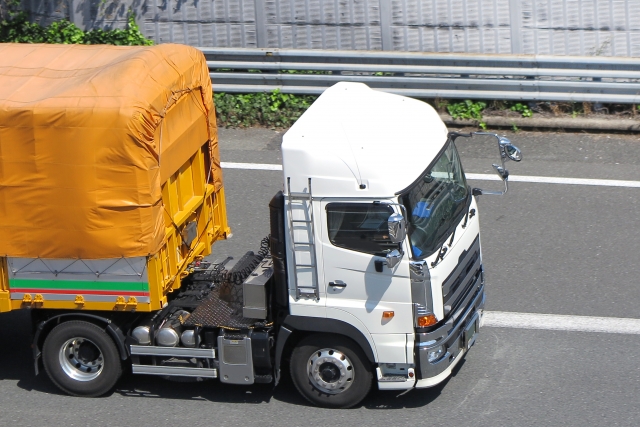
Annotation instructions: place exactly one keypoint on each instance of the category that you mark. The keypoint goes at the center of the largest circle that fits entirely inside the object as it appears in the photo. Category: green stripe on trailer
(18, 284)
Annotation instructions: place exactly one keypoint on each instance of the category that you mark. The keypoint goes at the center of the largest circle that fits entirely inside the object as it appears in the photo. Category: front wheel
(331, 371)
(81, 359)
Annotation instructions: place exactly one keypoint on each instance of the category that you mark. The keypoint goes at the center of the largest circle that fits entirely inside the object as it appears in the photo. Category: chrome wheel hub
(81, 359)
(330, 371)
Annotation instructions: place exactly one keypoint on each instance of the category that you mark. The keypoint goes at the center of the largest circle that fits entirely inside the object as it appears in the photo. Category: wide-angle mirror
(513, 152)
(397, 228)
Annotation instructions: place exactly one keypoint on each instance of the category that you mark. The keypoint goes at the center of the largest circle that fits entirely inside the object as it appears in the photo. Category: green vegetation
(275, 109)
(302, 72)
(16, 28)
(468, 109)
(522, 109)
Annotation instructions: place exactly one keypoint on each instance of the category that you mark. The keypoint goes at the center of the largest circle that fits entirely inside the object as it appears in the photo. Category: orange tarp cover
(87, 136)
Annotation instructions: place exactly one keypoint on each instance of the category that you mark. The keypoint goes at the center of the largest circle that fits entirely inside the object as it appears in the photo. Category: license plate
(470, 333)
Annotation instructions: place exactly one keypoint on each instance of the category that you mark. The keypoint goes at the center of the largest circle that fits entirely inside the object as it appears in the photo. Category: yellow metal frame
(187, 197)
(5, 301)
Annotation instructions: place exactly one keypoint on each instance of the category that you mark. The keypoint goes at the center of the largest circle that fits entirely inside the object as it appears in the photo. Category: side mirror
(397, 228)
(393, 258)
(513, 152)
(507, 151)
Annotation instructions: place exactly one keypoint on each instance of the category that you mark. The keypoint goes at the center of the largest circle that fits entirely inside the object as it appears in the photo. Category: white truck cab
(383, 240)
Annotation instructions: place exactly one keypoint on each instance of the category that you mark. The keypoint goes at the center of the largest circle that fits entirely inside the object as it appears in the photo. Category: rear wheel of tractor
(331, 371)
(81, 359)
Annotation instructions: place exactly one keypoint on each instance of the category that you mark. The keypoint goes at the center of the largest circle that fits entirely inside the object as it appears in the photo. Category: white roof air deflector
(354, 137)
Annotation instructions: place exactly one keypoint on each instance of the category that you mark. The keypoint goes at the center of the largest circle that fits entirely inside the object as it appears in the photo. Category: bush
(468, 110)
(16, 28)
(522, 109)
(130, 36)
(275, 109)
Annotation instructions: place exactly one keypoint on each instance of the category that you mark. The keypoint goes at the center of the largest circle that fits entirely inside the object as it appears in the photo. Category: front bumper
(455, 336)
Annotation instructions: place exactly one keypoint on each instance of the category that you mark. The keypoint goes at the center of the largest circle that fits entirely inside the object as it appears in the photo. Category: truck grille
(461, 280)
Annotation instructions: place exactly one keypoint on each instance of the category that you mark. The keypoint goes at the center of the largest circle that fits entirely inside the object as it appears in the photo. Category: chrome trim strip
(427, 343)
(148, 350)
(421, 284)
(174, 371)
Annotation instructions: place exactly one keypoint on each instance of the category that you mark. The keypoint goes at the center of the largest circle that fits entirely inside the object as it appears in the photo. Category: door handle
(338, 284)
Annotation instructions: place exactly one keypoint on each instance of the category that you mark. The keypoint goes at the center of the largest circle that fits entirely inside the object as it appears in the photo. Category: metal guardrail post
(515, 15)
(76, 13)
(385, 24)
(261, 24)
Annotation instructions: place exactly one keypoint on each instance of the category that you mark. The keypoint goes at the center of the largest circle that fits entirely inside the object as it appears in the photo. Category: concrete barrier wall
(556, 27)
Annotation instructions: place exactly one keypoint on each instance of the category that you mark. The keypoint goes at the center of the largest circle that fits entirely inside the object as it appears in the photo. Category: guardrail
(429, 75)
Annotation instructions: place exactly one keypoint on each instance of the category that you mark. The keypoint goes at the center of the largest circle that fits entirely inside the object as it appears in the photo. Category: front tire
(81, 359)
(331, 371)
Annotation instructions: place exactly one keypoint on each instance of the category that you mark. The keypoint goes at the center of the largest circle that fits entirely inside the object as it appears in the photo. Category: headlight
(435, 353)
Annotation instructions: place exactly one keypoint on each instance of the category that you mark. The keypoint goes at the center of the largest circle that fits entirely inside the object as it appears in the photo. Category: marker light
(388, 314)
(426, 321)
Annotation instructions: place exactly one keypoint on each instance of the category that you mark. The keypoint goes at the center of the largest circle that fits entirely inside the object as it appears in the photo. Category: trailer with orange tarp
(110, 180)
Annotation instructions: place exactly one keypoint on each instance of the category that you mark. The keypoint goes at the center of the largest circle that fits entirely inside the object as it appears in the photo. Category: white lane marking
(557, 180)
(559, 322)
(478, 176)
(252, 166)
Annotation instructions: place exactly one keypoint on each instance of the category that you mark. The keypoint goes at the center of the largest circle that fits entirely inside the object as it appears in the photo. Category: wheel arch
(295, 328)
(43, 327)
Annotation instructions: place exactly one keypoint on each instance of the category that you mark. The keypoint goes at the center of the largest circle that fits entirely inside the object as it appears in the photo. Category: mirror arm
(390, 261)
(500, 147)
(481, 192)
(379, 265)
(457, 134)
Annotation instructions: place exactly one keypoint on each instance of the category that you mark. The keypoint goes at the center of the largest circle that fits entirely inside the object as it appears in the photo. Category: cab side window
(360, 227)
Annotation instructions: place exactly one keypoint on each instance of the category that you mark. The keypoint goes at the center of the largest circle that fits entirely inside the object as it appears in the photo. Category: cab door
(354, 236)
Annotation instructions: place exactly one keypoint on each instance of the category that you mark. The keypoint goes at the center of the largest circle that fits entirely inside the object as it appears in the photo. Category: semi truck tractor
(111, 197)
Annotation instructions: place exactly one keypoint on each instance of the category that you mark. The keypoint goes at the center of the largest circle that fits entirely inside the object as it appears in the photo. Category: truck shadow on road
(156, 388)
(16, 357)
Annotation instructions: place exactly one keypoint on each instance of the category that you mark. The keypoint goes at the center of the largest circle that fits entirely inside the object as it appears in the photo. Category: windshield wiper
(469, 214)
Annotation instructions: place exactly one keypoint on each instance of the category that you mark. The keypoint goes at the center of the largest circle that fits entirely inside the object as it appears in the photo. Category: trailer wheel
(81, 359)
(331, 371)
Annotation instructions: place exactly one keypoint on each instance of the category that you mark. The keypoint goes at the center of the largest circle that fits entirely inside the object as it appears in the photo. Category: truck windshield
(436, 203)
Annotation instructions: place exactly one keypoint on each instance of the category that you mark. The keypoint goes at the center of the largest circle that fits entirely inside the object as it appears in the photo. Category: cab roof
(358, 142)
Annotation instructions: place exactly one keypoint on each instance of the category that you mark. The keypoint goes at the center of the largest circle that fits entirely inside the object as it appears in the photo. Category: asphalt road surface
(561, 249)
